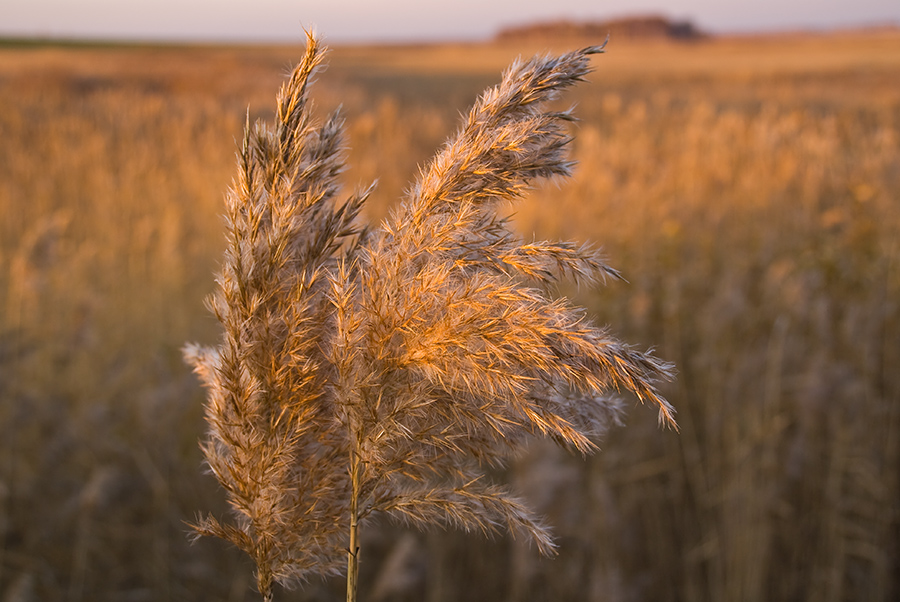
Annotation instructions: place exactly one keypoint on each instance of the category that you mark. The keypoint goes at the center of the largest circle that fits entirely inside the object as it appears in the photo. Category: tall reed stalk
(381, 371)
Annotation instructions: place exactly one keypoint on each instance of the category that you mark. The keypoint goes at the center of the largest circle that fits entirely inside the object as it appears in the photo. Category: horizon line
(38, 38)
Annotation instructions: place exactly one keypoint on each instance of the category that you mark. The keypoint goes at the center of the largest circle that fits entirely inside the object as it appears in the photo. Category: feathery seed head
(379, 370)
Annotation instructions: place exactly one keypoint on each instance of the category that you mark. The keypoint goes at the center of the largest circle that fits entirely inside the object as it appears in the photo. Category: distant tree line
(651, 26)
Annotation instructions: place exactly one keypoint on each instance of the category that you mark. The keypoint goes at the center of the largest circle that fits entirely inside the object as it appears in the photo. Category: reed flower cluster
(381, 370)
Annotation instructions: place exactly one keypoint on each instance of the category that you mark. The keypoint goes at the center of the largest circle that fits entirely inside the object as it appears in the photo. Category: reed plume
(380, 371)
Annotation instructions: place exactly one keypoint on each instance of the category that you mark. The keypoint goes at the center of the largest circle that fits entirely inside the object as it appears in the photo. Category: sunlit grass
(746, 188)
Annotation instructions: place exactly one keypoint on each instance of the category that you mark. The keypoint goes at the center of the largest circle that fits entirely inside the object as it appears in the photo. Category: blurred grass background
(748, 189)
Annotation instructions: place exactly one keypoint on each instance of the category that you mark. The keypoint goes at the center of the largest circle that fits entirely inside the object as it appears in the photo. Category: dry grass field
(747, 188)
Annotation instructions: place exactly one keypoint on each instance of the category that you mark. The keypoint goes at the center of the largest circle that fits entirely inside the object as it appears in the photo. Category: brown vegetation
(380, 370)
(746, 189)
(625, 28)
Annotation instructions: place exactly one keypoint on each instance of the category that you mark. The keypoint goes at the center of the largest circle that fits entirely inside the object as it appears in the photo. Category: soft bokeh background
(406, 20)
(747, 187)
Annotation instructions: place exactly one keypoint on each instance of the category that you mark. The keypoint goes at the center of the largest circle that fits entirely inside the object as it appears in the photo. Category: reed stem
(353, 550)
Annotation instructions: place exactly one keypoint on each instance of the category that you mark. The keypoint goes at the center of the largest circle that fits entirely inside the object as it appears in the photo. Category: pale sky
(403, 20)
